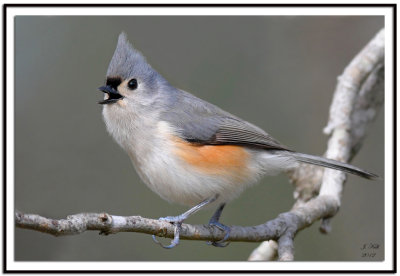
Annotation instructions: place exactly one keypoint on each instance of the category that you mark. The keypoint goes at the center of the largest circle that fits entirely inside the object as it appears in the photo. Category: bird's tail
(332, 164)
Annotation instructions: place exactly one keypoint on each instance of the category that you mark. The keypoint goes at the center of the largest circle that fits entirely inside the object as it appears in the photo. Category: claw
(175, 241)
(214, 221)
(218, 244)
(178, 220)
(226, 229)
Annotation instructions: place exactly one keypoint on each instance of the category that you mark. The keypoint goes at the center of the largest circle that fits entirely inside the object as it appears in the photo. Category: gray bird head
(130, 78)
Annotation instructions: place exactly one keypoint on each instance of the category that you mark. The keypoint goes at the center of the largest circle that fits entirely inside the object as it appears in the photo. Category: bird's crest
(128, 62)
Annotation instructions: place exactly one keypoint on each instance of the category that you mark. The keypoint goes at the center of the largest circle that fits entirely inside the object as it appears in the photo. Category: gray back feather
(201, 122)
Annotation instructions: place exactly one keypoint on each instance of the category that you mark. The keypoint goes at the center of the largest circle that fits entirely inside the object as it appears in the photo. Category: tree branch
(268, 250)
(366, 103)
(357, 99)
(110, 224)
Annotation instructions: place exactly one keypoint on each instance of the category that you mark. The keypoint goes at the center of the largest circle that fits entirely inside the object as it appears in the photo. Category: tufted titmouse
(186, 149)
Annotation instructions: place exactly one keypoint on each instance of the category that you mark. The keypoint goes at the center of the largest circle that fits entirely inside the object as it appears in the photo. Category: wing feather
(198, 121)
(234, 131)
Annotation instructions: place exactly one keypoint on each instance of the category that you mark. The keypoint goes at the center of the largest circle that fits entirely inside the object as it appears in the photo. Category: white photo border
(10, 11)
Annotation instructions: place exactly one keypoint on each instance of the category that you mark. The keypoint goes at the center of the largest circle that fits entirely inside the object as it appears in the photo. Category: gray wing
(201, 122)
(238, 132)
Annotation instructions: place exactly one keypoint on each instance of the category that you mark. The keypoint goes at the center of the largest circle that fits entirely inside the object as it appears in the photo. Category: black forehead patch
(114, 82)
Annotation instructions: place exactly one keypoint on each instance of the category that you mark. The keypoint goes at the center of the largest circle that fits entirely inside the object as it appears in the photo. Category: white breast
(148, 143)
(177, 181)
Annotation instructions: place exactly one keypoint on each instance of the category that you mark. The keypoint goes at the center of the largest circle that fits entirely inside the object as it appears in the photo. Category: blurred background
(276, 72)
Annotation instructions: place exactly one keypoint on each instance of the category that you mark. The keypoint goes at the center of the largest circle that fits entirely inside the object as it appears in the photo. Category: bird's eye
(132, 84)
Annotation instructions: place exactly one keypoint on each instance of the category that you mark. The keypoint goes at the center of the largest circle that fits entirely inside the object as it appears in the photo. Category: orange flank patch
(219, 159)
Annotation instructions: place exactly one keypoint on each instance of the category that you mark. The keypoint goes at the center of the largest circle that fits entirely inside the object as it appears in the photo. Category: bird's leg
(178, 220)
(215, 222)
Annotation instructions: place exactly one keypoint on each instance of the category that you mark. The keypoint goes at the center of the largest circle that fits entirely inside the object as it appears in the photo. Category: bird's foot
(177, 222)
(226, 229)
(214, 221)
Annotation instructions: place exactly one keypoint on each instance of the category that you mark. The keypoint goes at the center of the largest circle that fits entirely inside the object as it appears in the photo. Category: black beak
(113, 95)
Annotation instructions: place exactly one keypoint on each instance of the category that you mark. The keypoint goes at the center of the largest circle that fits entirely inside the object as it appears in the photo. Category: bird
(186, 149)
